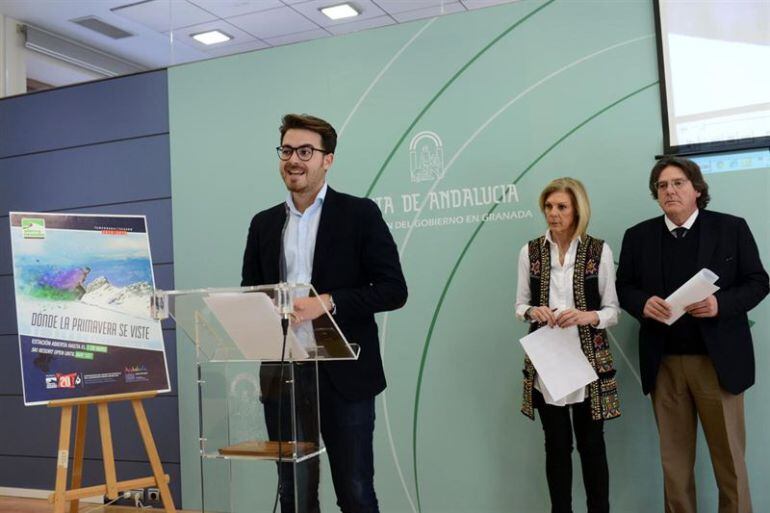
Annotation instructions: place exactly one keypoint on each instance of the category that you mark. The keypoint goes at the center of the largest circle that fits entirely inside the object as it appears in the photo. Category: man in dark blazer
(699, 366)
(340, 244)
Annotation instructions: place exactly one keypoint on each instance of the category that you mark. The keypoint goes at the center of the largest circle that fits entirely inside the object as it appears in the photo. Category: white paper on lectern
(559, 360)
(697, 288)
(252, 322)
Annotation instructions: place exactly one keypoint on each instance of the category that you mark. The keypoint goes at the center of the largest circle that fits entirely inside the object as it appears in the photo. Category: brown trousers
(686, 389)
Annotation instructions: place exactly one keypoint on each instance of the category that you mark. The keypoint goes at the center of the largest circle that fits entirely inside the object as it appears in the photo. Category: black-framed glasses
(304, 152)
(677, 184)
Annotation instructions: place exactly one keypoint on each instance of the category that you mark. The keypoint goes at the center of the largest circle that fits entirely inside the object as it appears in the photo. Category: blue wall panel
(101, 147)
(42, 427)
(6, 264)
(10, 378)
(117, 172)
(90, 113)
(7, 308)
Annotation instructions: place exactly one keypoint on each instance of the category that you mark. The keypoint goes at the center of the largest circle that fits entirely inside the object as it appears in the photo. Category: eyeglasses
(676, 184)
(304, 153)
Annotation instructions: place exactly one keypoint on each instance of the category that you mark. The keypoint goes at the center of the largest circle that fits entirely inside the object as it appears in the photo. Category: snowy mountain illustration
(133, 299)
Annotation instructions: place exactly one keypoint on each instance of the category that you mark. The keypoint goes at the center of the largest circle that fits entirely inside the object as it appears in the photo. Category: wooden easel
(112, 486)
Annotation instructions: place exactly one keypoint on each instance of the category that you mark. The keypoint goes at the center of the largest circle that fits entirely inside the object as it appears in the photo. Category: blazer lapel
(656, 255)
(707, 242)
(272, 246)
(323, 238)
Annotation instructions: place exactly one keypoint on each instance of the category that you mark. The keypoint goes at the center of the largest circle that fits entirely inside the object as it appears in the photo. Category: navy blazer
(727, 248)
(356, 261)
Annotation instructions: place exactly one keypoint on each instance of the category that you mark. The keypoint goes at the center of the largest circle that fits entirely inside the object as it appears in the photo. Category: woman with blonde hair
(567, 278)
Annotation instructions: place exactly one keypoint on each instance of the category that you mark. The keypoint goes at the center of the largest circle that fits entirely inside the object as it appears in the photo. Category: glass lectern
(257, 388)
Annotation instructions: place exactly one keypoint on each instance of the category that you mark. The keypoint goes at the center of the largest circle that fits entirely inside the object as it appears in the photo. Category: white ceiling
(161, 29)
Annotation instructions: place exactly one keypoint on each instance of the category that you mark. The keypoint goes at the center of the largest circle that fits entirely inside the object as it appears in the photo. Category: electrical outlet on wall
(137, 496)
(153, 495)
(133, 497)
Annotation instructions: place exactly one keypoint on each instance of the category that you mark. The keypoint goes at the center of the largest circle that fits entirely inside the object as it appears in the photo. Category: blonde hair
(579, 198)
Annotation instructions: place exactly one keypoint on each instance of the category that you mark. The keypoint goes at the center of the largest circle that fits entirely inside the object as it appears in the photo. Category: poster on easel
(83, 285)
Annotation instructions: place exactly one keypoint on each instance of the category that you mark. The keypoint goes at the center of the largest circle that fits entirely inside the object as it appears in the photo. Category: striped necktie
(679, 232)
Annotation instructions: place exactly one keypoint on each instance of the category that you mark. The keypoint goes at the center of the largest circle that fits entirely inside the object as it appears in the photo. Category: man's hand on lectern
(309, 308)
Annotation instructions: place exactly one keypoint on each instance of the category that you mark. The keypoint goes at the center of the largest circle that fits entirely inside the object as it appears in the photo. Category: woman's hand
(573, 317)
(542, 315)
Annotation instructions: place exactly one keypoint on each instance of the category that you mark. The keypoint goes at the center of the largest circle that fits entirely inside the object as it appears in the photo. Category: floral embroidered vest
(602, 393)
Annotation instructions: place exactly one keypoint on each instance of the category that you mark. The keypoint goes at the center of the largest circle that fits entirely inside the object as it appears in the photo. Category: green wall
(518, 94)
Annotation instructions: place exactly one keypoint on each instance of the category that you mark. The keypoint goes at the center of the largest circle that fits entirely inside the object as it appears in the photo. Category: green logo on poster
(33, 228)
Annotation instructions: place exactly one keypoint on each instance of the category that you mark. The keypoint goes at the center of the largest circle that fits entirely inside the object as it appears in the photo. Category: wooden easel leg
(152, 454)
(77, 462)
(107, 453)
(62, 461)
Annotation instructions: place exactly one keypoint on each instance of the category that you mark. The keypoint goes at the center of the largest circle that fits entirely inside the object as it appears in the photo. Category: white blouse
(561, 296)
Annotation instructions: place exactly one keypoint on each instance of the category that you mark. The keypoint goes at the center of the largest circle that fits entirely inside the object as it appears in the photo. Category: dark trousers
(589, 434)
(347, 428)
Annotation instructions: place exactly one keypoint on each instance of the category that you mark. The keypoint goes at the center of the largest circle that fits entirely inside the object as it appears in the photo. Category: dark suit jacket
(356, 261)
(727, 248)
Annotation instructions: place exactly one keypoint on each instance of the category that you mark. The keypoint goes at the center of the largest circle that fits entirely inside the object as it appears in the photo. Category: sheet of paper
(559, 360)
(253, 323)
(550, 400)
(697, 288)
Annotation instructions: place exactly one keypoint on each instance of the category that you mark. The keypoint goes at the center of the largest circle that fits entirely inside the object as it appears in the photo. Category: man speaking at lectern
(699, 366)
(342, 246)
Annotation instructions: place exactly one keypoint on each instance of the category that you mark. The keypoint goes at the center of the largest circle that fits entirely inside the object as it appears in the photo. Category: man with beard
(341, 245)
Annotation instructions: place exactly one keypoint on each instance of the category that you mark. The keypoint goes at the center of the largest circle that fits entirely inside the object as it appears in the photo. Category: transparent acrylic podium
(246, 396)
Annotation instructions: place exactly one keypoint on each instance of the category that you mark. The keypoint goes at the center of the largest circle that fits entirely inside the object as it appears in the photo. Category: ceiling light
(211, 37)
(341, 11)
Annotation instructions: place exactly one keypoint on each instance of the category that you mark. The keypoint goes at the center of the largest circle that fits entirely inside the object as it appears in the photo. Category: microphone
(283, 301)
(282, 266)
(283, 294)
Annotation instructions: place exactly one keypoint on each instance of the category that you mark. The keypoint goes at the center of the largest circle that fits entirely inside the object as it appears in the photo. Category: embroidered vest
(602, 393)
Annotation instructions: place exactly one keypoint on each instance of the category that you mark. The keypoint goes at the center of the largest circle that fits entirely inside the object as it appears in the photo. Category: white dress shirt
(671, 225)
(299, 250)
(561, 295)
(299, 238)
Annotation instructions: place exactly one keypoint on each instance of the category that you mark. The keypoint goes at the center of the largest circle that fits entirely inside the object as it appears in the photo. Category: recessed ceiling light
(211, 37)
(339, 12)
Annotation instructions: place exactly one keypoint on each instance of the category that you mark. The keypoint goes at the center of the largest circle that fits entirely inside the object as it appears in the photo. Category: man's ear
(328, 160)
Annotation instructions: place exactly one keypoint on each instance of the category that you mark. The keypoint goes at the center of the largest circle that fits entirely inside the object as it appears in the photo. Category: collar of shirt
(549, 239)
(319, 199)
(687, 224)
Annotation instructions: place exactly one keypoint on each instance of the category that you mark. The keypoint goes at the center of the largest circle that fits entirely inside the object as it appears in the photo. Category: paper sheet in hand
(254, 325)
(697, 288)
(558, 359)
